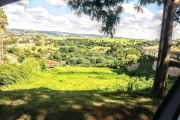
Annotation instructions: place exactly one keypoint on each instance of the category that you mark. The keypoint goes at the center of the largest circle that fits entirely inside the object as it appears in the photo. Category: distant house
(175, 53)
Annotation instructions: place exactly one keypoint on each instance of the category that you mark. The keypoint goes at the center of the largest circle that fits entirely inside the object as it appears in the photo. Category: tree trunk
(161, 75)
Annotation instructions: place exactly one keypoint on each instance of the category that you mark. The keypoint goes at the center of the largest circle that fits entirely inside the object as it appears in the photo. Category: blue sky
(55, 15)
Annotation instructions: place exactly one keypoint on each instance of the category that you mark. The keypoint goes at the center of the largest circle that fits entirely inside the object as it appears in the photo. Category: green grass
(80, 78)
(77, 93)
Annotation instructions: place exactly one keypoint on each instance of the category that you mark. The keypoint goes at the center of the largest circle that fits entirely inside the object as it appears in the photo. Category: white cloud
(158, 15)
(14, 9)
(138, 16)
(59, 3)
(37, 10)
(23, 3)
(145, 25)
(40, 19)
(138, 25)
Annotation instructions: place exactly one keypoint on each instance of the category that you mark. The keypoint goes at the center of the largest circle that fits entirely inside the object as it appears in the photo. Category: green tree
(21, 58)
(117, 50)
(57, 56)
(40, 50)
(39, 43)
(43, 65)
(33, 48)
(3, 23)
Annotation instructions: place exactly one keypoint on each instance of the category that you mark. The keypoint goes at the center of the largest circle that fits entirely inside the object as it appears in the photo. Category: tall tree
(3, 23)
(159, 86)
(108, 12)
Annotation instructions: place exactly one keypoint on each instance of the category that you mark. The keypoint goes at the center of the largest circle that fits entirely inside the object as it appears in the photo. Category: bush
(73, 61)
(14, 50)
(10, 73)
(145, 68)
(33, 48)
(43, 65)
(29, 65)
(39, 43)
(39, 50)
(21, 58)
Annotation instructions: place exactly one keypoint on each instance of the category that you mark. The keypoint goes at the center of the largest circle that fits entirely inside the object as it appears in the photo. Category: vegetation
(12, 73)
(92, 77)
(3, 23)
(102, 11)
(84, 51)
(72, 92)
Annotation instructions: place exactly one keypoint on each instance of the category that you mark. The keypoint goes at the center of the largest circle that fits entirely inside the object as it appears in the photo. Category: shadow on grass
(47, 104)
(140, 73)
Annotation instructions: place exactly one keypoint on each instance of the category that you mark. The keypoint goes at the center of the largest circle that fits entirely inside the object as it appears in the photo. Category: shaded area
(170, 102)
(46, 104)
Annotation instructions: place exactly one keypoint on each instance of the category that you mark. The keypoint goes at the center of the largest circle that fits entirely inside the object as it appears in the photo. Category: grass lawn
(77, 93)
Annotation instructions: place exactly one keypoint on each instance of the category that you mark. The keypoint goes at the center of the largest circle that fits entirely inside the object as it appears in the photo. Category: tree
(161, 75)
(3, 23)
(33, 48)
(108, 11)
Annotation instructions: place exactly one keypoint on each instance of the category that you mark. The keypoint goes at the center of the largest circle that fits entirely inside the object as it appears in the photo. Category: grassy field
(77, 93)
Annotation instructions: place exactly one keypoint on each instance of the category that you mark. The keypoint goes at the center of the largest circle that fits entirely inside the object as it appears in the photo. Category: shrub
(33, 48)
(21, 58)
(39, 43)
(39, 50)
(43, 65)
(29, 65)
(10, 73)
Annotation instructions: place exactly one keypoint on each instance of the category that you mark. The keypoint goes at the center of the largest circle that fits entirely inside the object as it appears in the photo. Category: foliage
(40, 50)
(6, 60)
(10, 39)
(145, 68)
(14, 50)
(100, 11)
(29, 66)
(106, 11)
(73, 78)
(177, 15)
(39, 43)
(43, 65)
(11, 73)
(33, 48)
(3, 20)
(21, 58)
(93, 52)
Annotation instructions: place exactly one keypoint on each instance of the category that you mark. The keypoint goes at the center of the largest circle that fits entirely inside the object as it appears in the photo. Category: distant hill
(51, 33)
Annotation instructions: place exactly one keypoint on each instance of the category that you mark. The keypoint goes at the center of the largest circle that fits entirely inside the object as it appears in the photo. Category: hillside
(50, 33)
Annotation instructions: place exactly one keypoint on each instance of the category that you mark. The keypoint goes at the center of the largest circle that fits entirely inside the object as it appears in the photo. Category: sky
(55, 15)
